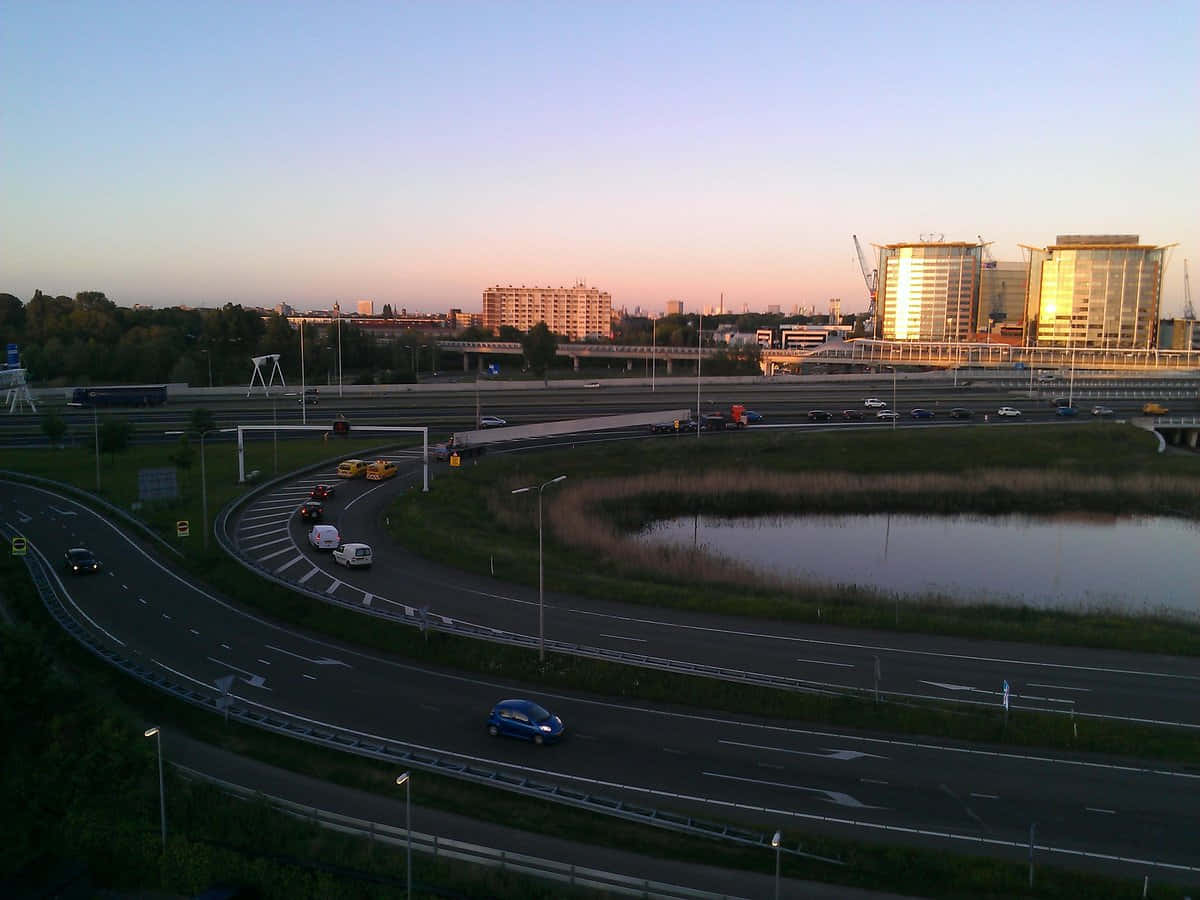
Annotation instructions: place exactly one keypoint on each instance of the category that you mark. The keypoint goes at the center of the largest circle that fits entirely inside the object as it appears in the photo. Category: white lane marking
(24, 518)
(823, 662)
(141, 601)
(289, 564)
(282, 540)
(252, 679)
(319, 661)
(263, 661)
(63, 588)
(1059, 687)
(678, 626)
(194, 631)
(842, 755)
(311, 573)
(621, 637)
(366, 494)
(63, 512)
(954, 687)
(273, 555)
(985, 796)
(838, 797)
(872, 781)
(333, 587)
(273, 515)
(226, 647)
(124, 587)
(309, 677)
(1110, 812)
(165, 616)
(767, 765)
(672, 750)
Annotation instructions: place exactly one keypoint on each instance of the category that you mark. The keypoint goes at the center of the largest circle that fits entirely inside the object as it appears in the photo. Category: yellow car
(1154, 409)
(380, 469)
(351, 468)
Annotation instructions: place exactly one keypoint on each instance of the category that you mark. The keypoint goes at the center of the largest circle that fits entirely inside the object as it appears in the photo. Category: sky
(418, 153)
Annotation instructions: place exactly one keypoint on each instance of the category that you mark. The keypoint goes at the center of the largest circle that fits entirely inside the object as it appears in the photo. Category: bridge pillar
(668, 365)
(1193, 436)
(479, 363)
(575, 363)
(629, 365)
(1177, 436)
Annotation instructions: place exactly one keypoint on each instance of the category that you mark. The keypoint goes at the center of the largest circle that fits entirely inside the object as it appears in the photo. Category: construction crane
(870, 276)
(1188, 312)
(989, 261)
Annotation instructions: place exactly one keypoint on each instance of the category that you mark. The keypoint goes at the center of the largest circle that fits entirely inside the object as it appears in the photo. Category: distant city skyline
(416, 154)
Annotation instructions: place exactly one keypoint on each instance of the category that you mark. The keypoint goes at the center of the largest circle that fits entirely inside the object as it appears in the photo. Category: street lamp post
(303, 397)
(404, 780)
(777, 843)
(337, 314)
(699, 331)
(96, 437)
(162, 797)
(541, 583)
(653, 354)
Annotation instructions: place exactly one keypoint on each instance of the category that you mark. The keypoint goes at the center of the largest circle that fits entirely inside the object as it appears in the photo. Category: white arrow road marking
(63, 512)
(258, 681)
(841, 799)
(843, 755)
(822, 662)
(956, 687)
(24, 518)
(320, 661)
(1059, 687)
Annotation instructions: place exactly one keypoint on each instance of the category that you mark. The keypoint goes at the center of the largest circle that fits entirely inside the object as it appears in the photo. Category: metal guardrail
(92, 498)
(476, 854)
(372, 746)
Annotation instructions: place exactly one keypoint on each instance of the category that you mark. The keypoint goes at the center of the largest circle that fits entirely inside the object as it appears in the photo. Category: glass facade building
(1099, 291)
(928, 291)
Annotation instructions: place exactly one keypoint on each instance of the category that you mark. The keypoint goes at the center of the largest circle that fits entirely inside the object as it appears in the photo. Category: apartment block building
(578, 312)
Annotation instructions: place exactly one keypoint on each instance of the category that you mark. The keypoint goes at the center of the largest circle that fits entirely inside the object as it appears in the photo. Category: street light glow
(151, 732)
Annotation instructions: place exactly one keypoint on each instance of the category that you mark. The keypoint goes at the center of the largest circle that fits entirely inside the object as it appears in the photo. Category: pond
(1082, 562)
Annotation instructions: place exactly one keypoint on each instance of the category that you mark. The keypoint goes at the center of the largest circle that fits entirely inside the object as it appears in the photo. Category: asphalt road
(721, 766)
(1079, 682)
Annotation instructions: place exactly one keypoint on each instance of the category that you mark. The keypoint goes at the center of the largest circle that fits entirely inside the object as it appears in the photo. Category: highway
(867, 786)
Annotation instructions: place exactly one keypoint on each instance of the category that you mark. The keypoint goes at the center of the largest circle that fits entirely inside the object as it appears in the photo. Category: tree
(510, 334)
(114, 436)
(184, 455)
(202, 420)
(540, 346)
(476, 333)
(53, 427)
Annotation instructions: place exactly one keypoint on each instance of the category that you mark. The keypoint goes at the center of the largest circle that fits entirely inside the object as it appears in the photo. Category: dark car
(662, 427)
(752, 417)
(713, 422)
(80, 561)
(819, 415)
(310, 397)
(852, 415)
(961, 412)
(922, 413)
(524, 719)
(312, 510)
(1066, 411)
(321, 492)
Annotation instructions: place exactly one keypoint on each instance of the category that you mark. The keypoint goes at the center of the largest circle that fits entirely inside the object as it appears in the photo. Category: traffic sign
(455, 460)
(182, 529)
(19, 546)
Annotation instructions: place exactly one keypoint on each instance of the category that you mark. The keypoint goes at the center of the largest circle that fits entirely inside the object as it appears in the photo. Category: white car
(353, 555)
(874, 403)
(887, 414)
(1008, 411)
(491, 422)
(324, 537)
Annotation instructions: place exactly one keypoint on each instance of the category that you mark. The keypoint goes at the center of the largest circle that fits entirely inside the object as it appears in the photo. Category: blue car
(752, 417)
(524, 719)
(1066, 411)
(922, 414)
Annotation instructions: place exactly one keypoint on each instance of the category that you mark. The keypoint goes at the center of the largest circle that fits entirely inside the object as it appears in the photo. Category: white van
(324, 537)
(353, 555)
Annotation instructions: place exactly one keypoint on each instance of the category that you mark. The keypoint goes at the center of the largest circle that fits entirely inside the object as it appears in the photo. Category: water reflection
(1076, 561)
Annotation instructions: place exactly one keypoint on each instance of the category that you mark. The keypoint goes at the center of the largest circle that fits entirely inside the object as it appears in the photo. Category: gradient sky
(416, 153)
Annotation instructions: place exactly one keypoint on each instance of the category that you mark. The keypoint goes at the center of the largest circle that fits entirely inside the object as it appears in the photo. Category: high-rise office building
(579, 312)
(1094, 290)
(928, 291)
(835, 311)
(1002, 295)
(366, 307)
(674, 307)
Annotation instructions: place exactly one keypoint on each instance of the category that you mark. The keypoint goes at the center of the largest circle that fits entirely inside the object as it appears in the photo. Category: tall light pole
(777, 843)
(303, 397)
(162, 797)
(699, 331)
(653, 354)
(541, 588)
(337, 314)
(404, 780)
(96, 437)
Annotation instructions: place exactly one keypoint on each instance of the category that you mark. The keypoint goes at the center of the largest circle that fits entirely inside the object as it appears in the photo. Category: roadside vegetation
(613, 490)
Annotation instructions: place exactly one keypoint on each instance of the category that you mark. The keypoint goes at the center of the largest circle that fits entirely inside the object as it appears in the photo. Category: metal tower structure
(16, 390)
